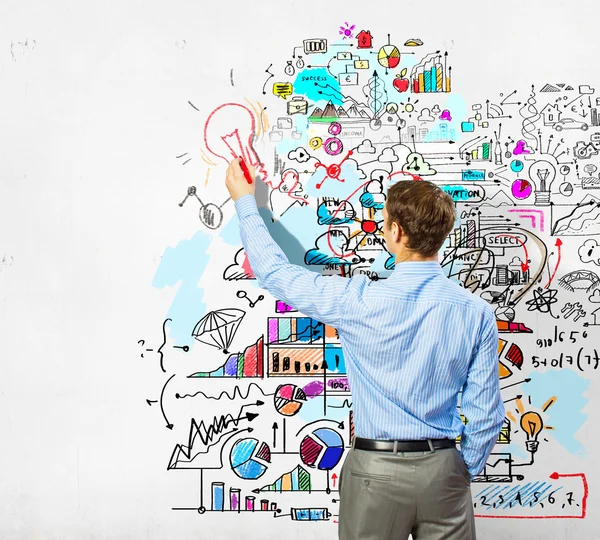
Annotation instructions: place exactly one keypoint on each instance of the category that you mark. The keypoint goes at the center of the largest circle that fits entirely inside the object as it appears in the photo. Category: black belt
(402, 446)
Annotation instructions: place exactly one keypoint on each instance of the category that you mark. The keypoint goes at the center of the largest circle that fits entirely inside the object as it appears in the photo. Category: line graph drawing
(202, 438)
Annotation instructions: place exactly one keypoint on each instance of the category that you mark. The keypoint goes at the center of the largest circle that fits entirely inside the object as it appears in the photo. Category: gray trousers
(389, 496)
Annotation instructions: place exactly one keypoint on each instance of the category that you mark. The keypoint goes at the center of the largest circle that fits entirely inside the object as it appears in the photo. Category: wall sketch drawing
(346, 117)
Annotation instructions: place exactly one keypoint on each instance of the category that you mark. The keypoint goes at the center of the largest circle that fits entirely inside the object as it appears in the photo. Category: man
(411, 343)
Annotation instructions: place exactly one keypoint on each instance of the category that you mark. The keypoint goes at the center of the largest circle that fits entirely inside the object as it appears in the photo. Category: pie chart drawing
(323, 449)
(566, 189)
(289, 398)
(516, 165)
(389, 56)
(250, 458)
(521, 189)
(514, 356)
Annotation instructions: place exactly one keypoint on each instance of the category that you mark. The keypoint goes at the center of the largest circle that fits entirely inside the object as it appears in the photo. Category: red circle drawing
(368, 226)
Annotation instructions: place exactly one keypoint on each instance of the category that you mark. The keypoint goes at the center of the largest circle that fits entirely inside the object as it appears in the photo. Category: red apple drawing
(400, 83)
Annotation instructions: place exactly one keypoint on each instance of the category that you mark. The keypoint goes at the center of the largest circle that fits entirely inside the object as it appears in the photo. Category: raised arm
(481, 401)
(319, 297)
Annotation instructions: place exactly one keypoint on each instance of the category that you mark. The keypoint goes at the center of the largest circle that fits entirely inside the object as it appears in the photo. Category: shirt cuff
(246, 206)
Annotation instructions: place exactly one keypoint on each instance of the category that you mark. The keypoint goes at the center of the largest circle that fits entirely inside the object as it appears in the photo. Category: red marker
(245, 171)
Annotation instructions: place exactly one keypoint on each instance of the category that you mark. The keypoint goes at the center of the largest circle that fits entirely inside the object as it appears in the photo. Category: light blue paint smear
(230, 233)
(184, 264)
(309, 82)
(457, 106)
(313, 408)
(284, 148)
(565, 414)
(516, 451)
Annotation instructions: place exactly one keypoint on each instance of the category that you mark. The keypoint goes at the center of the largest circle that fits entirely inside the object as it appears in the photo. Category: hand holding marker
(245, 170)
(238, 179)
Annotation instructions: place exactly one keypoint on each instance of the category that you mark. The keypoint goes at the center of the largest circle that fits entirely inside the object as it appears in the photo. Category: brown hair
(424, 211)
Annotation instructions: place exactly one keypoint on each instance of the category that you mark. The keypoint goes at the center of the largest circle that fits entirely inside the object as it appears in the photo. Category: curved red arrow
(557, 244)
(525, 265)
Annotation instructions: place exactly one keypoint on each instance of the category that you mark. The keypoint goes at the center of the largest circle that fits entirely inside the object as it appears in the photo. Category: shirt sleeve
(482, 403)
(320, 297)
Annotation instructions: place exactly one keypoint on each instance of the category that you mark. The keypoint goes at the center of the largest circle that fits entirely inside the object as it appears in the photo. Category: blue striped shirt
(412, 343)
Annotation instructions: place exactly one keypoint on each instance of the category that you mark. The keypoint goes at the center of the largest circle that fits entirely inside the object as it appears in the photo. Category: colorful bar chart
(296, 480)
(297, 330)
(465, 236)
(306, 361)
(430, 77)
(236, 504)
(483, 152)
(248, 364)
(301, 346)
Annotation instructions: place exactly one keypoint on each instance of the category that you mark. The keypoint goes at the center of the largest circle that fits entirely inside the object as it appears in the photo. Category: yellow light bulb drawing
(532, 424)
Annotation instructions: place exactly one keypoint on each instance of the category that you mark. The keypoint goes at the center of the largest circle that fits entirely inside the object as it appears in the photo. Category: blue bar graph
(218, 496)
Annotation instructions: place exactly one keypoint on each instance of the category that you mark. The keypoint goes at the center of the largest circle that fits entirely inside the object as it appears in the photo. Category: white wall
(94, 111)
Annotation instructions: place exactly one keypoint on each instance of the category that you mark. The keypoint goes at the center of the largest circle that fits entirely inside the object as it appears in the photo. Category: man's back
(408, 341)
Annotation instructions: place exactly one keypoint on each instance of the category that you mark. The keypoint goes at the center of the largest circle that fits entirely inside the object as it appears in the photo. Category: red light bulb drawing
(229, 133)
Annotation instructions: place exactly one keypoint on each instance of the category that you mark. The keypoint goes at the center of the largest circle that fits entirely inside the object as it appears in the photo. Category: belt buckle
(430, 443)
